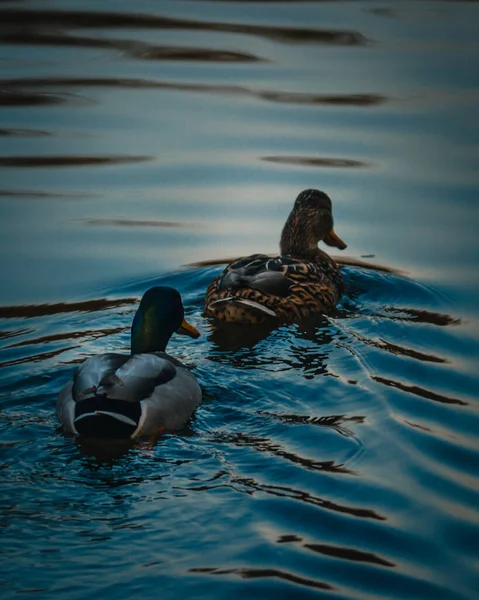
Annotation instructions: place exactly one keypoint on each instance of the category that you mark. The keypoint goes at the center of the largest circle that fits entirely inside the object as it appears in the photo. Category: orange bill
(187, 329)
(333, 240)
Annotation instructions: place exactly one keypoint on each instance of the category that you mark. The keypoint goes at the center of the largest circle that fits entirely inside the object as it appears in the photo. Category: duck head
(310, 221)
(159, 315)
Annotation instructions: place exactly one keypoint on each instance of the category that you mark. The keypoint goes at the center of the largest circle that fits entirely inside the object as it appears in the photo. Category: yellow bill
(188, 329)
(334, 240)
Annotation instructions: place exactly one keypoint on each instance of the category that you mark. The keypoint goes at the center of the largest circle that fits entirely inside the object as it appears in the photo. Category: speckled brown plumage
(300, 282)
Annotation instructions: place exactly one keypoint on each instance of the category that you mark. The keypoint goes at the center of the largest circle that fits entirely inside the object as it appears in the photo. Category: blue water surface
(147, 143)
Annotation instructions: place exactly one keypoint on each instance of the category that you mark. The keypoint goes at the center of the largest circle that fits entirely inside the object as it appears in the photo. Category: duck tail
(102, 417)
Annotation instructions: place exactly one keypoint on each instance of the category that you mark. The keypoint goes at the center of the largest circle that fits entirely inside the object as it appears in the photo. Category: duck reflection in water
(242, 346)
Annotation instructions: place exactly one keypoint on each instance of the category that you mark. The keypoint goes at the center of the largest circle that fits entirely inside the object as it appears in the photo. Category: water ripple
(139, 223)
(296, 494)
(335, 456)
(349, 554)
(75, 19)
(419, 391)
(266, 445)
(68, 161)
(312, 161)
(255, 573)
(16, 88)
(39, 310)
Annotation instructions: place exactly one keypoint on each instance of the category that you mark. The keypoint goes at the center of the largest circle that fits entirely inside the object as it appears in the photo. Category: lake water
(146, 143)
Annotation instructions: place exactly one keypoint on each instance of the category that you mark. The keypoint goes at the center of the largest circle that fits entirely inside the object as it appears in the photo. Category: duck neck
(297, 239)
(147, 337)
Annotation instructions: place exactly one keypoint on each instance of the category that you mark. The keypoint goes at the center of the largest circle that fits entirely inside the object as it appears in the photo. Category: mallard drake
(130, 395)
(301, 281)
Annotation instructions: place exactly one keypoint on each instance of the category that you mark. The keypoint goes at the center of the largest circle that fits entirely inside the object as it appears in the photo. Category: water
(145, 145)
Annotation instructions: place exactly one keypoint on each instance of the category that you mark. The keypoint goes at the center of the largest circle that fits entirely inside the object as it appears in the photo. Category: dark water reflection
(67, 20)
(336, 457)
(12, 89)
(64, 161)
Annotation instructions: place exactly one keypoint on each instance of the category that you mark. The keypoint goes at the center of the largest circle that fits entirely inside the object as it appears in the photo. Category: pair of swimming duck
(148, 391)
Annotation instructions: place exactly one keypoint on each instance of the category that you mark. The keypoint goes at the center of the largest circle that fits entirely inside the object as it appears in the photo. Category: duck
(302, 281)
(143, 393)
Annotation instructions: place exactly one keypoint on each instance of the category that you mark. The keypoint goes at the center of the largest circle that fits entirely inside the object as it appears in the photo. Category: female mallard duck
(300, 282)
(129, 395)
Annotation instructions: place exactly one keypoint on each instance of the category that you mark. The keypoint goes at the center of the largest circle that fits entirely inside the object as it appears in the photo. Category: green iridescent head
(159, 315)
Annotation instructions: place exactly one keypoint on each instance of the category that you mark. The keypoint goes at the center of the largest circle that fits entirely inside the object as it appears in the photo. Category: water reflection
(75, 19)
(14, 97)
(420, 316)
(227, 338)
(24, 132)
(240, 346)
(399, 350)
(139, 223)
(67, 161)
(281, 491)
(352, 554)
(312, 161)
(84, 335)
(265, 445)
(336, 422)
(40, 357)
(103, 453)
(419, 391)
(40, 310)
(326, 452)
(13, 91)
(43, 194)
(258, 573)
(135, 49)
(212, 458)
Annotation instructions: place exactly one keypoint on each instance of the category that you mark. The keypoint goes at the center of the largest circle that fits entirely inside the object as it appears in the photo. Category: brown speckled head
(310, 221)
(313, 200)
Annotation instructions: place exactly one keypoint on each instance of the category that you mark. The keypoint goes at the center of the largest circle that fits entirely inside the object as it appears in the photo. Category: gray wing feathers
(170, 403)
(121, 377)
(89, 375)
(267, 282)
(137, 378)
(168, 393)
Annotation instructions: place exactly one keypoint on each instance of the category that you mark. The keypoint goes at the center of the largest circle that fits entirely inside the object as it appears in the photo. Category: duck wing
(107, 393)
(121, 377)
(171, 403)
(259, 287)
(90, 373)
(258, 272)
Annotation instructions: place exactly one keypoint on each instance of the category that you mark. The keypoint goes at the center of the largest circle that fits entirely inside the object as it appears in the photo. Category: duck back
(259, 288)
(118, 396)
